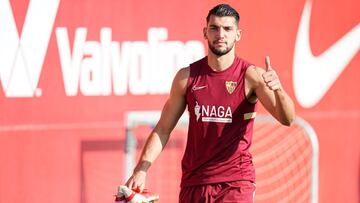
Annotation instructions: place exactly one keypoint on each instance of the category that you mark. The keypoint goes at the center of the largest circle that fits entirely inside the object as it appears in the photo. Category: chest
(218, 91)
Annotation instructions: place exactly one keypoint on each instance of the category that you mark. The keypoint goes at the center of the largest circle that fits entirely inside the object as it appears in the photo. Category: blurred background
(82, 84)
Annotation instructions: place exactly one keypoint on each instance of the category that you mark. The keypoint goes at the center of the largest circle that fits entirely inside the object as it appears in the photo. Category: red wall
(58, 110)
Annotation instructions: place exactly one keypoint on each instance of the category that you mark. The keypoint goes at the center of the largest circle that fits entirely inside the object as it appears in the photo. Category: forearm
(154, 145)
(284, 107)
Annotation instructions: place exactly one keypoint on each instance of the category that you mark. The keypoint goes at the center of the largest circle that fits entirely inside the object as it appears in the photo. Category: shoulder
(181, 79)
(183, 73)
(243, 62)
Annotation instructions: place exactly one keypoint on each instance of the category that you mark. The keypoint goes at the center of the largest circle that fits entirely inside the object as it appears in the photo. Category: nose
(220, 33)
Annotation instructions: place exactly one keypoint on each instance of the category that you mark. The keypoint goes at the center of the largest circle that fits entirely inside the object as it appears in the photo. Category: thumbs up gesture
(270, 77)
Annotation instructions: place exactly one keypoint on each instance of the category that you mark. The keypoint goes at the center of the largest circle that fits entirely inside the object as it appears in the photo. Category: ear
(204, 32)
(238, 34)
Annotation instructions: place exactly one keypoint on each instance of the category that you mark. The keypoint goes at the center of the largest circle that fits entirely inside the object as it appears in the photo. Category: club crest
(230, 86)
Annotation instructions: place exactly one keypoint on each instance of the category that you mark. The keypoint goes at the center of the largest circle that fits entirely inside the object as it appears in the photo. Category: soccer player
(220, 92)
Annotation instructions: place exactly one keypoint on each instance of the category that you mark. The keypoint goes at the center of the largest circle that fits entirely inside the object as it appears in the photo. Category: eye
(228, 28)
(214, 28)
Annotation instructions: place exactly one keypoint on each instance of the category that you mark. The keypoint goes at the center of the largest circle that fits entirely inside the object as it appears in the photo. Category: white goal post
(150, 118)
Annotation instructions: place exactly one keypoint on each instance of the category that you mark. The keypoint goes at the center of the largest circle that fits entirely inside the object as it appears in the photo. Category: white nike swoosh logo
(314, 75)
(194, 88)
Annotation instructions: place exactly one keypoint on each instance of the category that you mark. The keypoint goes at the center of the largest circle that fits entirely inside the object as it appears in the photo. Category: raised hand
(270, 77)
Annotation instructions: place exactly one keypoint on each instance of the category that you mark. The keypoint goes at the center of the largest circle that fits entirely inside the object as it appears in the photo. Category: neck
(220, 63)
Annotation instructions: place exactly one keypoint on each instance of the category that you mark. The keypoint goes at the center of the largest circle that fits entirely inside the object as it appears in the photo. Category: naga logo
(210, 113)
(22, 56)
(314, 75)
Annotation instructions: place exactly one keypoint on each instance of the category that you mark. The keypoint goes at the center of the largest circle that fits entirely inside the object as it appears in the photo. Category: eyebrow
(224, 26)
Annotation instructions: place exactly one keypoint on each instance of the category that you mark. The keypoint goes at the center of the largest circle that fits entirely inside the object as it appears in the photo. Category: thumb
(267, 63)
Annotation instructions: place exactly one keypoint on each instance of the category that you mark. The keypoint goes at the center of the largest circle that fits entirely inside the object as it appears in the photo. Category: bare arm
(172, 111)
(268, 89)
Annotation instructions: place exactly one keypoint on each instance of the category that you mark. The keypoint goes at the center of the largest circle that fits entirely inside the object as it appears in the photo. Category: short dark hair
(222, 10)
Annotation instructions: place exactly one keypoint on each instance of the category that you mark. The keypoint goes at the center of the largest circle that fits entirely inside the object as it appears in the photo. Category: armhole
(245, 95)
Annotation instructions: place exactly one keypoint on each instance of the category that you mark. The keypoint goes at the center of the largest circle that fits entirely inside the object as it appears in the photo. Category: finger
(268, 76)
(142, 186)
(274, 85)
(130, 183)
(267, 63)
(135, 186)
(267, 79)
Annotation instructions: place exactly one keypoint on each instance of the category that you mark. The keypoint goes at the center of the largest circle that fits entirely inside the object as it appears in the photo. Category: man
(220, 92)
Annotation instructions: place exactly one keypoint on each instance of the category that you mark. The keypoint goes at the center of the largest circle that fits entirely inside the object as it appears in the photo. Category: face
(221, 33)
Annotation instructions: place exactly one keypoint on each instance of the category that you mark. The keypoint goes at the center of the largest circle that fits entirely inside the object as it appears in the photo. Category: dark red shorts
(234, 192)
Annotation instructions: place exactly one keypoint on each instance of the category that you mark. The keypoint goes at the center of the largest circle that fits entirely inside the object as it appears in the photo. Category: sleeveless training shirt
(220, 125)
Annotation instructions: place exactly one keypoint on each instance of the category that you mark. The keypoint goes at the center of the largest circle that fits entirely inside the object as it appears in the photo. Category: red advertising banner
(70, 72)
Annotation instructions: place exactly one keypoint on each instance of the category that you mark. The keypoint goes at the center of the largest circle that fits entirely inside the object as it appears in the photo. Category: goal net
(285, 158)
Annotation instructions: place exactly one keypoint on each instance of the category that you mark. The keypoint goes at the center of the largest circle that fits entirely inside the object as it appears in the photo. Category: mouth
(219, 43)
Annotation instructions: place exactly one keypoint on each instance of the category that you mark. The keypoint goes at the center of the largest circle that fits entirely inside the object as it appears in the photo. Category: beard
(218, 51)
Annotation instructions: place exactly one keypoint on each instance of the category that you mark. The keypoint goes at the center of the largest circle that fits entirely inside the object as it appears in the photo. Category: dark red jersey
(220, 125)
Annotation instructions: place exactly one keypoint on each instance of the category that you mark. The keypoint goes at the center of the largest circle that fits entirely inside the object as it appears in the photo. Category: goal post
(285, 158)
(286, 161)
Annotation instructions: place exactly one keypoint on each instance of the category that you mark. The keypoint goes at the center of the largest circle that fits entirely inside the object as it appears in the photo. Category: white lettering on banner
(140, 67)
(22, 55)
